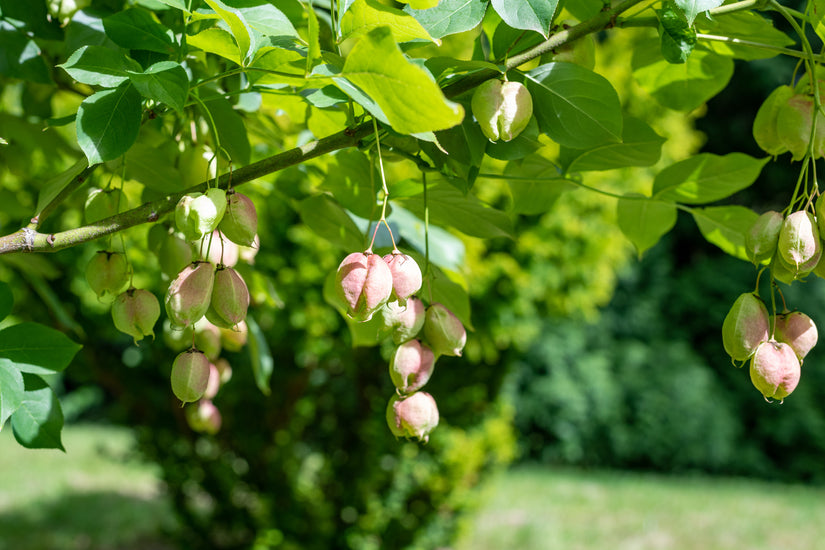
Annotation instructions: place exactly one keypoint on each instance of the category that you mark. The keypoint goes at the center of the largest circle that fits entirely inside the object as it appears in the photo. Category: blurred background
(594, 407)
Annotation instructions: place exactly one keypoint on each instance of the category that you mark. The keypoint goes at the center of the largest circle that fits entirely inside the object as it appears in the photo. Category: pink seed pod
(222, 251)
(107, 273)
(364, 282)
(745, 326)
(203, 417)
(405, 322)
(798, 331)
(444, 331)
(230, 298)
(135, 313)
(414, 415)
(502, 109)
(775, 370)
(406, 276)
(213, 384)
(763, 236)
(411, 366)
(190, 375)
(240, 221)
(189, 294)
(799, 239)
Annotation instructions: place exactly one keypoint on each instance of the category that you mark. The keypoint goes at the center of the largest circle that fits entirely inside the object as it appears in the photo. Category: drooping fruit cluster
(785, 120)
(502, 109)
(368, 284)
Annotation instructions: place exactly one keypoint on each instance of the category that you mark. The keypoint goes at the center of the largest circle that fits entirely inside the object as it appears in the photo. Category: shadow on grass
(89, 521)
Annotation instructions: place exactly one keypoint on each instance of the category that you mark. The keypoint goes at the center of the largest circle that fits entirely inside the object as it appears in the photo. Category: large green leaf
(644, 220)
(450, 16)
(20, 57)
(259, 356)
(707, 177)
(452, 295)
(574, 106)
(152, 167)
(11, 389)
(535, 184)
(528, 15)
(218, 41)
(137, 29)
(678, 37)
(108, 123)
(354, 183)
(744, 25)
(39, 419)
(279, 66)
(366, 15)
(58, 183)
(166, 82)
(99, 66)
(265, 17)
(692, 8)
(331, 222)
(36, 348)
(726, 227)
(230, 125)
(238, 26)
(406, 93)
(449, 207)
(818, 15)
(683, 87)
(640, 146)
(446, 250)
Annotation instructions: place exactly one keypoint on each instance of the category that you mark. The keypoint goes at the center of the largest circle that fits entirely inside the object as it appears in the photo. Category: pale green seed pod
(775, 370)
(798, 331)
(189, 294)
(411, 366)
(208, 338)
(413, 416)
(763, 236)
(174, 254)
(745, 327)
(404, 322)
(444, 331)
(135, 313)
(765, 130)
(107, 273)
(197, 214)
(230, 298)
(240, 222)
(799, 240)
(794, 121)
(190, 375)
(502, 109)
(203, 417)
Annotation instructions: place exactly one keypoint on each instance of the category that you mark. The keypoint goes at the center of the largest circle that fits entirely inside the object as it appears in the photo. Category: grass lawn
(93, 497)
(532, 508)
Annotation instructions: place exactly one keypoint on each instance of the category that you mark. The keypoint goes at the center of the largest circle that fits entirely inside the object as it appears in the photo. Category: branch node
(50, 240)
(28, 238)
(153, 216)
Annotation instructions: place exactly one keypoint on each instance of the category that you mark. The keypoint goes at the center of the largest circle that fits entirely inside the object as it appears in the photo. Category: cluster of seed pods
(369, 284)
(776, 343)
(207, 299)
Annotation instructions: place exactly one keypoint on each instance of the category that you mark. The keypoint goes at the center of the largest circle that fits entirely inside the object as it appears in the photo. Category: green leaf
(643, 220)
(39, 419)
(216, 41)
(446, 250)
(354, 183)
(37, 349)
(529, 15)
(265, 17)
(535, 184)
(524, 144)
(817, 12)
(744, 25)
(464, 145)
(238, 25)
(11, 389)
(367, 15)
(137, 29)
(640, 146)
(452, 295)
(726, 227)
(58, 183)
(108, 123)
(230, 125)
(449, 207)
(284, 66)
(146, 164)
(313, 39)
(677, 36)
(6, 300)
(574, 106)
(177, 4)
(692, 8)
(450, 16)
(260, 356)
(166, 82)
(406, 93)
(20, 57)
(683, 87)
(99, 66)
(707, 178)
(324, 216)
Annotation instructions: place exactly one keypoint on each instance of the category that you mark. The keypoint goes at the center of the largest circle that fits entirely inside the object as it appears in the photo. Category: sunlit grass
(540, 508)
(94, 496)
